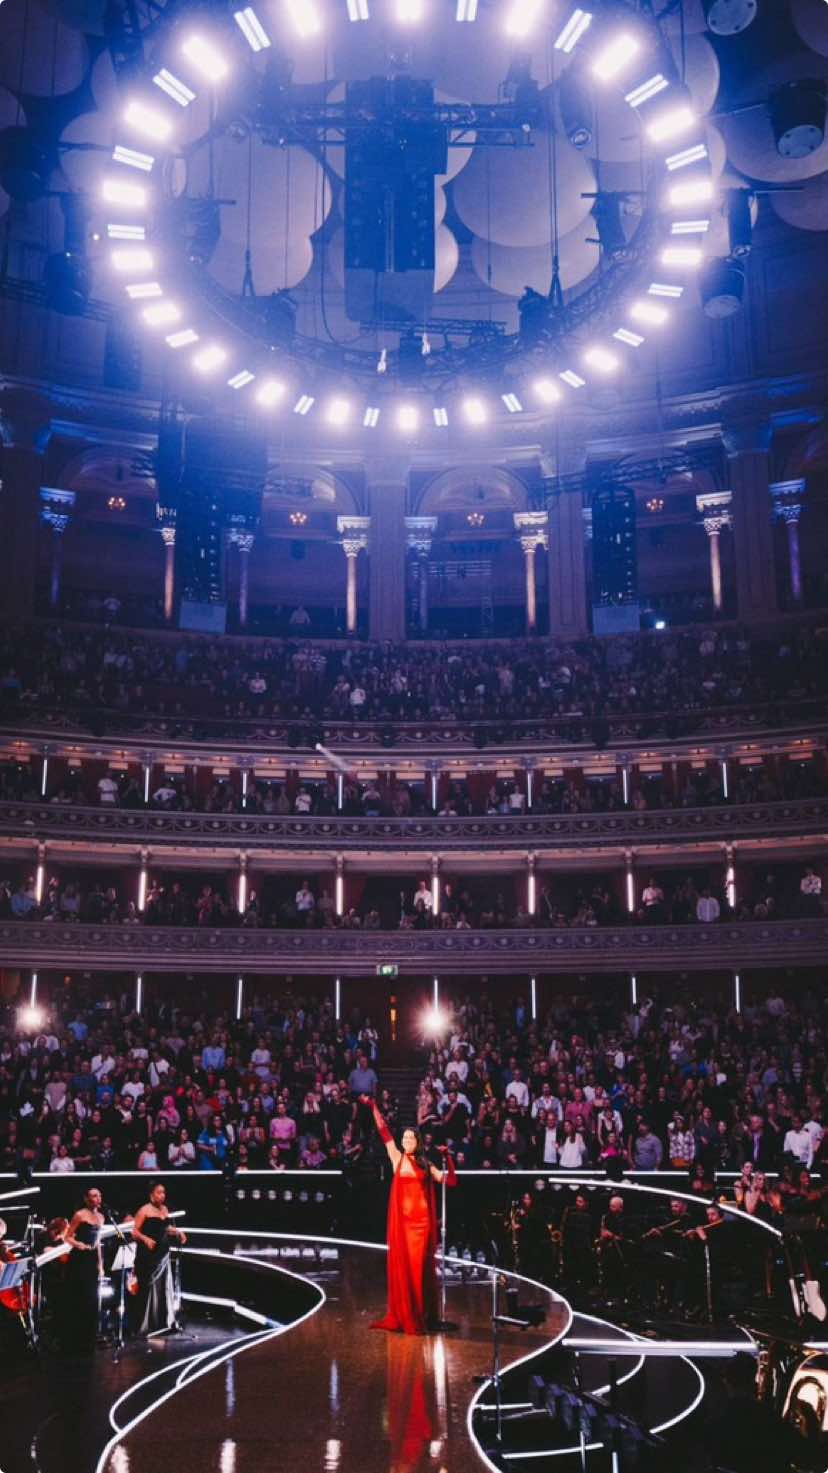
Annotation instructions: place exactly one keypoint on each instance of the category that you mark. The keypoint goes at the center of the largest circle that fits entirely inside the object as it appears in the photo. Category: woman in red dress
(412, 1231)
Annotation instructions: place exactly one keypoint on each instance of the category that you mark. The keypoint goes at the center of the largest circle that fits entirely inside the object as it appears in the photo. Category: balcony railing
(639, 949)
(155, 828)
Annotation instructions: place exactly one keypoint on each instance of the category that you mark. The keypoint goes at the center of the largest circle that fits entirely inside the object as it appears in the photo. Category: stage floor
(329, 1393)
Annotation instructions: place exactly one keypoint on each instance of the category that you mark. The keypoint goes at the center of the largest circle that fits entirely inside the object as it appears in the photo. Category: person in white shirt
(573, 1152)
(810, 888)
(62, 1161)
(305, 899)
(708, 909)
(165, 794)
(107, 789)
(547, 1138)
(517, 802)
(423, 895)
(260, 1059)
(182, 1153)
(518, 1089)
(799, 1143)
(102, 1064)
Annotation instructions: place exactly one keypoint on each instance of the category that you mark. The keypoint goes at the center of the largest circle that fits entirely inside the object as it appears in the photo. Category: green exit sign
(388, 969)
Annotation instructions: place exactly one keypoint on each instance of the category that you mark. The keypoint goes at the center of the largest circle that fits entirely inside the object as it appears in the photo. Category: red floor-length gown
(412, 1242)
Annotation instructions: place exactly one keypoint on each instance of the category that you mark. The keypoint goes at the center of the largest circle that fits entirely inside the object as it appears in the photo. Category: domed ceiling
(556, 199)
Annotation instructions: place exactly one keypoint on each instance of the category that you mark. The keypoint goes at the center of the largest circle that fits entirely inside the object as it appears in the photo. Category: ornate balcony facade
(635, 949)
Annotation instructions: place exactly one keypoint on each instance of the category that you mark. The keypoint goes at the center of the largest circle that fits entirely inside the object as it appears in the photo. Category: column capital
(243, 540)
(586, 515)
(56, 507)
(419, 534)
(168, 536)
(787, 498)
(353, 534)
(714, 509)
(532, 528)
(747, 437)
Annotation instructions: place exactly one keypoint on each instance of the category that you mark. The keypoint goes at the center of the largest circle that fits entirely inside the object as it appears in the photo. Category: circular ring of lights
(196, 49)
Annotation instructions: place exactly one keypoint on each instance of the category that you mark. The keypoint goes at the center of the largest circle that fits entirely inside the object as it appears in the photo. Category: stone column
(568, 618)
(714, 508)
(787, 498)
(747, 445)
(387, 481)
(353, 539)
(168, 535)
(419, 533)
(55, 510)
(244, 542)
(532, 529)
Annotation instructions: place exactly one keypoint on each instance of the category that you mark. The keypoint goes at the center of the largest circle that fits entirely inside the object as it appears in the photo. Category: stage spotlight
(30, 1018)
(572, 378)
(24, 165)
(241, 379)
(475, 411)
(147, 121)
(209, 358)
(358, 10)
(646, 90)
(132, 260)
(131, 158)
(303, 404)
(686, 156)
(575, 105)
(162, 314)
(270, 392)
(692, 227)
(729, 17)
(722, 287)
(466, 10)
(610, 62)
(687, 256)
(370, 418)
(601, 359)
(512, 403)
(126, 232)
(547, 391)
(568, 38)
(251, 28)
(408, 419)
(120, 192)
(632, 339)
(304, 17)
(523, 16)
(435, 1022)
(181, 339)
(797, 113)
(205, 58)
(338, 412)
(671, 124)
(409, 12)
(650, 313)
(440, 416)
(140, 289)
(691, 192)
(665, 289)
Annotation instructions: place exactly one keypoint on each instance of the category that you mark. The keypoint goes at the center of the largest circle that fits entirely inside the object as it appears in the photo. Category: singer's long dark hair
(418, 1155)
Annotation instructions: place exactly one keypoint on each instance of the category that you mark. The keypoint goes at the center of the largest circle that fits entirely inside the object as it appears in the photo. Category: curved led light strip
(667, 122)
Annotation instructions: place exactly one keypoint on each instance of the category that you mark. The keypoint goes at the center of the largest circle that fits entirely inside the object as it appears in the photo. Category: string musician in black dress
(152, 1230)
(79, 1309)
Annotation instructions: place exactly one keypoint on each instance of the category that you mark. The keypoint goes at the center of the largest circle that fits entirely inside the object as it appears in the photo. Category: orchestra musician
(576, 1234)
(612, 1247)
(667, 1266)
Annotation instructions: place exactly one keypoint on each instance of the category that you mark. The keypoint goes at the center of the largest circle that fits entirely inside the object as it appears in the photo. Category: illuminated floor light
(270, 392)
(174, 88)
(126, 232)
(134, 260)
(139, 289)
(689, 227)
(304, 17)
(601, 359)
(646, 90)
(338, 412)
(546, 391)
(209, 358)
(370, 418)
(512, 403)
(358, 10)
(693, 192)
(181, 339)
(440, 417)
(671, 123)
(162, 314)
(682, 256)
(303, 404)
(408, 418)
(466, 10)
(120, 192)
(475, 411)
(523, 16)
(251, 28)
(665, 289)
(147, 120)
(615, 57)
(650, 313)
(696, 154)
(239, 381)
(206, 58)
(572, 378)
(632, 339)
(578, 23)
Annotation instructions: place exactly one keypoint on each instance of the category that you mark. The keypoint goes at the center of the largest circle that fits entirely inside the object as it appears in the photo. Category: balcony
(696, 948)
(582, 831)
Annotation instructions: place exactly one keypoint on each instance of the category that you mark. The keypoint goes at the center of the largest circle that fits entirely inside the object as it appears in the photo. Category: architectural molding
(690, 948)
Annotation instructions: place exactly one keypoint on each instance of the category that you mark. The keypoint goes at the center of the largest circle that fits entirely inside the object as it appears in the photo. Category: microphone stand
(443, 1323)
(120, 1317)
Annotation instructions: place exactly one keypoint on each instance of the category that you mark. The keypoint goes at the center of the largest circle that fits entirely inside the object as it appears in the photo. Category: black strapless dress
(155, 1309)
(78, 1319)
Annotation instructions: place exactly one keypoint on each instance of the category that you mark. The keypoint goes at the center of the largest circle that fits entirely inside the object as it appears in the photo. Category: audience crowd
(169, 901)
(79, 671)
